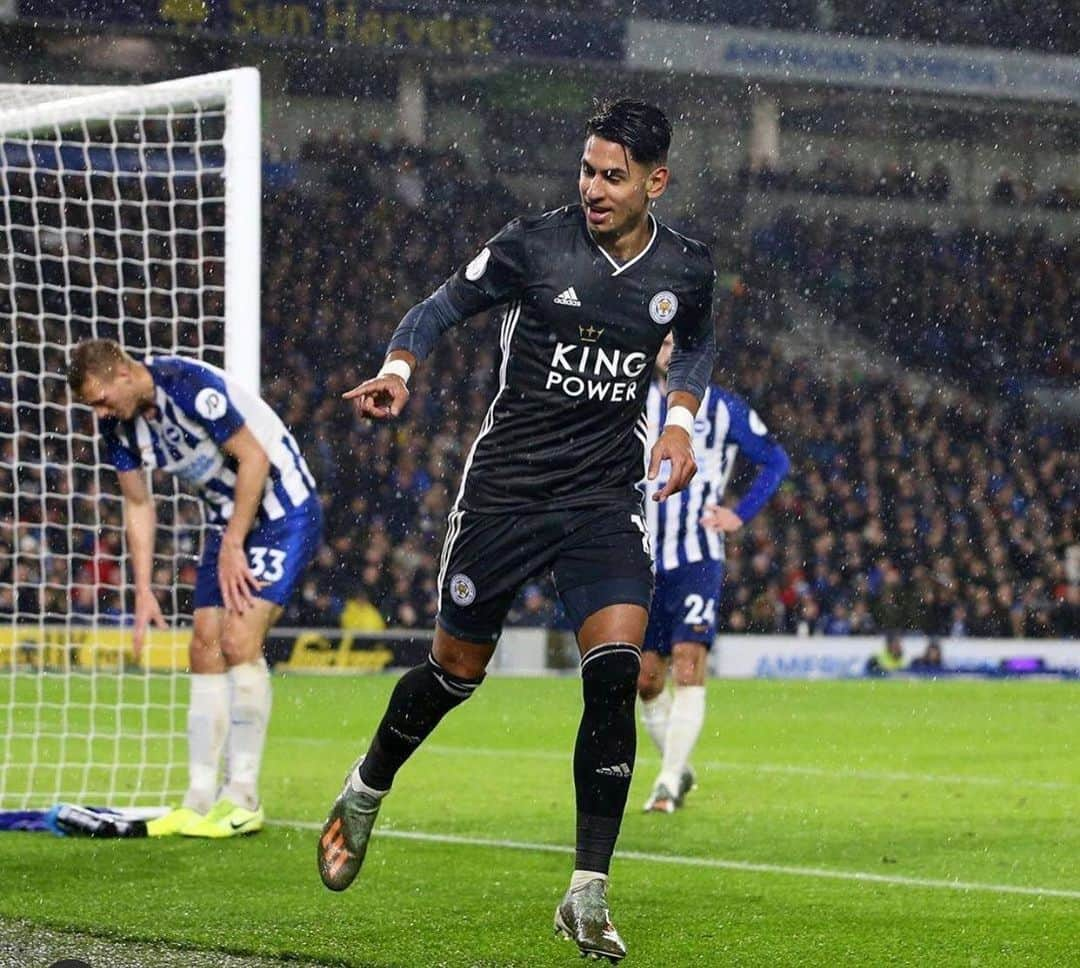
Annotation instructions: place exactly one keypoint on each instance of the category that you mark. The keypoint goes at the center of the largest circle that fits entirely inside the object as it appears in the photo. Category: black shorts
(597, 557)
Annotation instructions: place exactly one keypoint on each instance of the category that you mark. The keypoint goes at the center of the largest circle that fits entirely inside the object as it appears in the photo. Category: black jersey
(579, 338)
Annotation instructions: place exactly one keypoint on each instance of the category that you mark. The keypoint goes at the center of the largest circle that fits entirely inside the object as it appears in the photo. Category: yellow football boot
(226, 819)
(173, 822)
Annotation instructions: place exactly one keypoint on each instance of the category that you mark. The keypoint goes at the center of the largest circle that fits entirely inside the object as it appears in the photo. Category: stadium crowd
(834, 174)
(986, 309)
(900, 512)
(952, 519)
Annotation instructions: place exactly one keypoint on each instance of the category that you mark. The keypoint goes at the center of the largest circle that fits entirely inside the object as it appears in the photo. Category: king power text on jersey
(595, 373)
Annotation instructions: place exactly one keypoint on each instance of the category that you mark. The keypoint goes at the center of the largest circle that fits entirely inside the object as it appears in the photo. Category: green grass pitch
(836, 823)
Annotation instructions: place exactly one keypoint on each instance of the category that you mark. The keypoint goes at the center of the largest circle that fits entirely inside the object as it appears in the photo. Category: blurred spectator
(838, 621)
(862, 621)
(937, 183)
(890, 659)
(533, 609)
(1004, 191)
(359, 615)
(930, 660)
(312, 607)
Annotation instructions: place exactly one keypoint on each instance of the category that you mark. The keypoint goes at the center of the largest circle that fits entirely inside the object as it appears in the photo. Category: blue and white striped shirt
(725, 424)
(199, 407)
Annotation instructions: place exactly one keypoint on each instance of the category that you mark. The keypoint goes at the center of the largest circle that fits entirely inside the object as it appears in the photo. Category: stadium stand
(905, 509)
(983, 308)
(835, 175)
(855, 538)
(1049, 27)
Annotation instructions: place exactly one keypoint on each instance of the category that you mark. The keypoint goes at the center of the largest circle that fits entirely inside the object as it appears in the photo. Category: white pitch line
(715, 863)
(781, 769)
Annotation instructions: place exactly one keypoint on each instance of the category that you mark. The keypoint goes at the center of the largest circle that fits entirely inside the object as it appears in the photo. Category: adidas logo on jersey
(619, 769)
(568, 298)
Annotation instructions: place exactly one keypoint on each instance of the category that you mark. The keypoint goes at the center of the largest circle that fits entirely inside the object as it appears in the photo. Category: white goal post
(130, 213)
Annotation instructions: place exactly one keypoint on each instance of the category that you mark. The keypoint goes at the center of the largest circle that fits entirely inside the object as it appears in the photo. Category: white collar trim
(619, 269)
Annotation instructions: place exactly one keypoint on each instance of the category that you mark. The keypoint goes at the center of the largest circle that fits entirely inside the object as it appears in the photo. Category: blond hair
(94, 357)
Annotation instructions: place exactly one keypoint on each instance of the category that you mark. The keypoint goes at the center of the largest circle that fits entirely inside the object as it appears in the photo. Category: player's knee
(652, 676)
(458, 657)
(649, 684)
(688, 665)
(609, 673)
(243, 635)
(457, 686)
(240, 645)
(685, 674)
(204, 653)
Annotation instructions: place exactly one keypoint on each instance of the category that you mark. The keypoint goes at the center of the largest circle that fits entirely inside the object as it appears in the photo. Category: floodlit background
(891, 193)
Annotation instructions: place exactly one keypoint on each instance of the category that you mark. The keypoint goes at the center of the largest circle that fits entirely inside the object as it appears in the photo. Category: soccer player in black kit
(590, 291)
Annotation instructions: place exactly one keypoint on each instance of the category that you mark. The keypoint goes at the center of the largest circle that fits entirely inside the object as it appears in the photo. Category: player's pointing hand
(673, 445)
(380, 398)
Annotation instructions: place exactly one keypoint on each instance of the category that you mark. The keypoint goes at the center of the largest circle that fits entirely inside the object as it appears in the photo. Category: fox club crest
(663, 306)
(462, 590)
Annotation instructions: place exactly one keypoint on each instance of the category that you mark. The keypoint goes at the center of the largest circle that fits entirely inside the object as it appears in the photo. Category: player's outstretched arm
(675, 444)
(385, 395)
(140, 520)
(237, 581)
(493, 277)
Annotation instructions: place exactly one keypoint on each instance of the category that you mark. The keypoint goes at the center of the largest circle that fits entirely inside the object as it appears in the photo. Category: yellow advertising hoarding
(90, 648)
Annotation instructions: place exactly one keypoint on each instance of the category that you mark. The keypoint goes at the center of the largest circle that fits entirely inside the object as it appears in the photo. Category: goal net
(129, 213)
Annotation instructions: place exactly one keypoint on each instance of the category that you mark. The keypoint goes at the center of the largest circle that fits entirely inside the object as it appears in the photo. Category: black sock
(420, 699)
(605, 750)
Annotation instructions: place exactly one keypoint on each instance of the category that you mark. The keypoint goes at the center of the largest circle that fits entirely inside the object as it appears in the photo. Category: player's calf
(418, 703)
(605, 751)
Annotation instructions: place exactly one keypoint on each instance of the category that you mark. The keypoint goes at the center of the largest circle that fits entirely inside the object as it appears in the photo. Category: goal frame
(235, 94)
(239, 89)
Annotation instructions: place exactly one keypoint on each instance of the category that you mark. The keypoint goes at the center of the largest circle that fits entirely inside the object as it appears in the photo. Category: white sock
(581, 878)
(684, 727)
(249, 714)
(654, 717)
(359, 786)
(208, 722)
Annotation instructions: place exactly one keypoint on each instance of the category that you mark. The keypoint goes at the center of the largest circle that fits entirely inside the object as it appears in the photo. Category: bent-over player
(265, 524)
